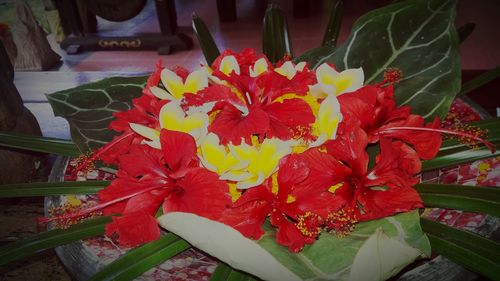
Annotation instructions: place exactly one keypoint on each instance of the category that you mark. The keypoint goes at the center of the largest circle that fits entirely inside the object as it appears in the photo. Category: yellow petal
(329, 116)
(171, 116)
(160, 93)
(349, 80)
(287, 69)
(172, 82)
(259, 67)
(228, 65)
(145, 131)
(196, 81)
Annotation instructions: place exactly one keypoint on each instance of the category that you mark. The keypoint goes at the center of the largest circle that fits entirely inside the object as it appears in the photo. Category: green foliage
(139, 260)
(415, 36)
(51, 188)
(207, 44)
(51, 239)
(276, 42)
(38, 144)
(334, 23)
(89, 108)
(465, 248)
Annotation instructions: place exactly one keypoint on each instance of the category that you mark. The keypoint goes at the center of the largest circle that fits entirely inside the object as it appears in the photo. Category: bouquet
(284, 169)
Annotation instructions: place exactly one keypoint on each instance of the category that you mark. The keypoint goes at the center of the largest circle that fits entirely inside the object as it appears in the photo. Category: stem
(488, 144)
(99, 206)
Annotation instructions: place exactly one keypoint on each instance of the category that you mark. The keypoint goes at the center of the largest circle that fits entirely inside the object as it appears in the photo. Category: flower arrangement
(285, 169)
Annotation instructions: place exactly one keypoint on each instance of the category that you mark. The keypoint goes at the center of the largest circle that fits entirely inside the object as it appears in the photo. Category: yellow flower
(173, 118)
(258, 162)
(176, 89)
(289, 70)
(331, 82)
(327, 120)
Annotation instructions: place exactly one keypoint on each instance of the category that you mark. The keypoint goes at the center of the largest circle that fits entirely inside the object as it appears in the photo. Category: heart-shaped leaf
(415, 36)
(89, 108)
(329, 258)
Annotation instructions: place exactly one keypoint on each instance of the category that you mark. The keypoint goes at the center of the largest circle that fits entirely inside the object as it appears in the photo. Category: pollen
(469, 135)
(392, 75)
(341, 222)
(334, 187)
(85, 163)
(309, 224)
(62, 216)
(290, 199)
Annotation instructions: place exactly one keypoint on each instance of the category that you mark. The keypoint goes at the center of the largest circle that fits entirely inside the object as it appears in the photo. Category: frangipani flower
(332, 82)
(228, 65)
(262, 161)
(173, 118)
(217, 158)
(176, 88)
(288, 69)
(327, 121)
(259, 67)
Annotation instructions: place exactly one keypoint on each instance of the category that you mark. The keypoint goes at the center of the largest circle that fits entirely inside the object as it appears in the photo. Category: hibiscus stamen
(86, 211)
(342, 222)
(85, 162)
(470, 138)
(392, 76)
(309, 224)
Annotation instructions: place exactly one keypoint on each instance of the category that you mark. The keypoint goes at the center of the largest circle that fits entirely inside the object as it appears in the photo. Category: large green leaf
(329, 258)
(139, 260)
(276, 41)
(51, 239)
(89, 108)
(415, 36)
(38, 144)
(461, 197)
(51, 188)
(223, 272)
(465, 248)
(480, 80)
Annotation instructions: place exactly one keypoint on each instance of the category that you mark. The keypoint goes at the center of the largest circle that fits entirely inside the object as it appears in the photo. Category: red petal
(134, 229)
(179, 150)
(231, 126)
(199, 192)
(286, 116)
(247, 218)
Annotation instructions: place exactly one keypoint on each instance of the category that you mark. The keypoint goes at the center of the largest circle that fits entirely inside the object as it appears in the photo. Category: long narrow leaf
(207, 43)
(465, 248)
(480, 80)
(141, 259)
(38, 144)
(224, 272)
(465, 30)
(461, 197)
(334, 23)
(51, 188)
(51, 239)
(276, 41)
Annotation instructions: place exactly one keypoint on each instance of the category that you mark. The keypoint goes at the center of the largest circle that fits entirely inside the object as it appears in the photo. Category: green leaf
(276, 41)
(480, 80)
(139, 260)
(329, 258)
(415, 36)
(207, 44)
(51, 188)
(465, 30)
(51, 239)
(38, 144)
(461, 197)
(334, 23)
(223, 272)
(465, 248)
(315, 56)
(89, 108)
